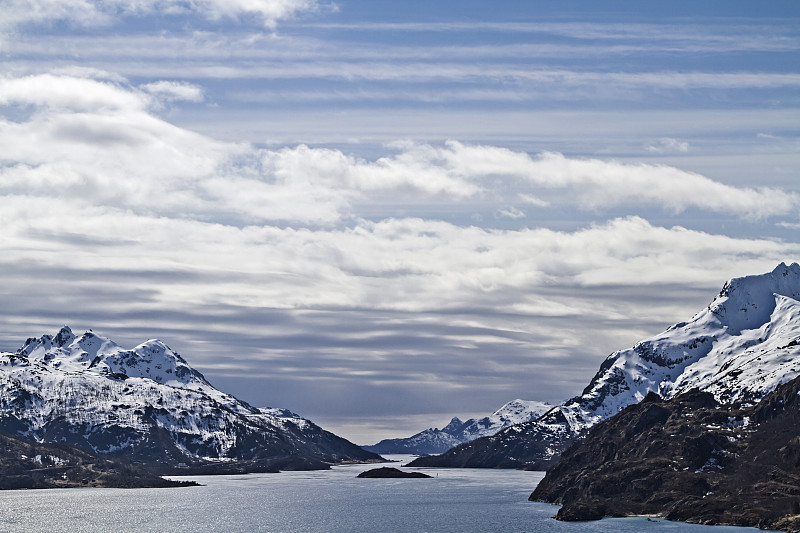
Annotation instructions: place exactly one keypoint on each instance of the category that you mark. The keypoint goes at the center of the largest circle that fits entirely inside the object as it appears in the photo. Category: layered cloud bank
(99, 141)
(461, 257)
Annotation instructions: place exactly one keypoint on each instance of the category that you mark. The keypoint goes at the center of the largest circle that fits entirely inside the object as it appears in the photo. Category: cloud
(408, 170)
(403, 308)
(53, 245)
(543, 81)
(511, 212)
(663, 36)
(299, 54)
(96, 12)
(532, 200)
(69, 93)
(403, 265)
(99, 141)
(599, 184)
(667, 145)
(172, 91)
(275, 267)
(602, 184)
(789, 225)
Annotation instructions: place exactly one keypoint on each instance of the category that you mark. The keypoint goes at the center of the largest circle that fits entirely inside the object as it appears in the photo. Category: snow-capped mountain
(742, 346)
(433, 440)
(148, 404)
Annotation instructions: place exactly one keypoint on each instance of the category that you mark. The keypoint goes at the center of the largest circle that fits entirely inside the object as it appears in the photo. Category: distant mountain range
(148, 405)
(742, 346)
(434, 441)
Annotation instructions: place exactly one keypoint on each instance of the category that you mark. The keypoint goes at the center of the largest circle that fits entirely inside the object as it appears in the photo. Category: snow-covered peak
(748, 302)
(743, 367)
(453, 426)
(518, 411)
(92, 353)
(154, 360)
(279, 412)
(740, 347)
(64, 337)
(67, 352)
(147, 402)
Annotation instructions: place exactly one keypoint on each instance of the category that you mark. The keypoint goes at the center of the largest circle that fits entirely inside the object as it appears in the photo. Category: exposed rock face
(389, 472)
(433, 440)
(147, 404)
(688, 458)
(743, 345)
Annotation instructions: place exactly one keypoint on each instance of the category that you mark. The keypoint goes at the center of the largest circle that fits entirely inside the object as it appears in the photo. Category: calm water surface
(335, 500)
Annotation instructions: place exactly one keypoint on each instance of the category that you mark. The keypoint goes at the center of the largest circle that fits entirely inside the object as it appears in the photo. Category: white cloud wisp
(104, 12)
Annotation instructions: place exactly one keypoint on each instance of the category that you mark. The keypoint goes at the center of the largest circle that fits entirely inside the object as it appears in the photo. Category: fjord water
(324, 501)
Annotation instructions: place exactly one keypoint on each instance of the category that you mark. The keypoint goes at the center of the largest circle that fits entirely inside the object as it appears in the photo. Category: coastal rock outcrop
(688, 458)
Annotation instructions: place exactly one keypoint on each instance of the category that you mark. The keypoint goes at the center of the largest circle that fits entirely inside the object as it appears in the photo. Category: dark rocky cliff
(27, 464)
(687, 459)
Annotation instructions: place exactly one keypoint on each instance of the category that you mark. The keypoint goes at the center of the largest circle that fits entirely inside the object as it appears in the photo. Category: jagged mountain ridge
(434, 441)
(148, 404)
(743, 345)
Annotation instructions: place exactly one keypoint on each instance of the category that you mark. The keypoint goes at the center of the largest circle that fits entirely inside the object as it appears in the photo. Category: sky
(383, 214)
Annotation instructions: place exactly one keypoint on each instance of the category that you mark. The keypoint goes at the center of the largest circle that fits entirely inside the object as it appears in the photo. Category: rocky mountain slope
(690, 459)
(149, 405)
(27, 464)
(433, 440)
(743, 345)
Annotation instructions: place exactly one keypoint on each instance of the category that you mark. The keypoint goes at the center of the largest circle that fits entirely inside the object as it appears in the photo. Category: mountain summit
(149, 405)
(152, 359)
(742, 346)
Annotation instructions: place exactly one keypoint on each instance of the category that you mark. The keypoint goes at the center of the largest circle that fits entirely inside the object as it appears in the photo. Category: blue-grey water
(327, 501)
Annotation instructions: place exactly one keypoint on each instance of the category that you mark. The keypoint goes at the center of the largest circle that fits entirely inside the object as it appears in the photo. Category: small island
(390, 472)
